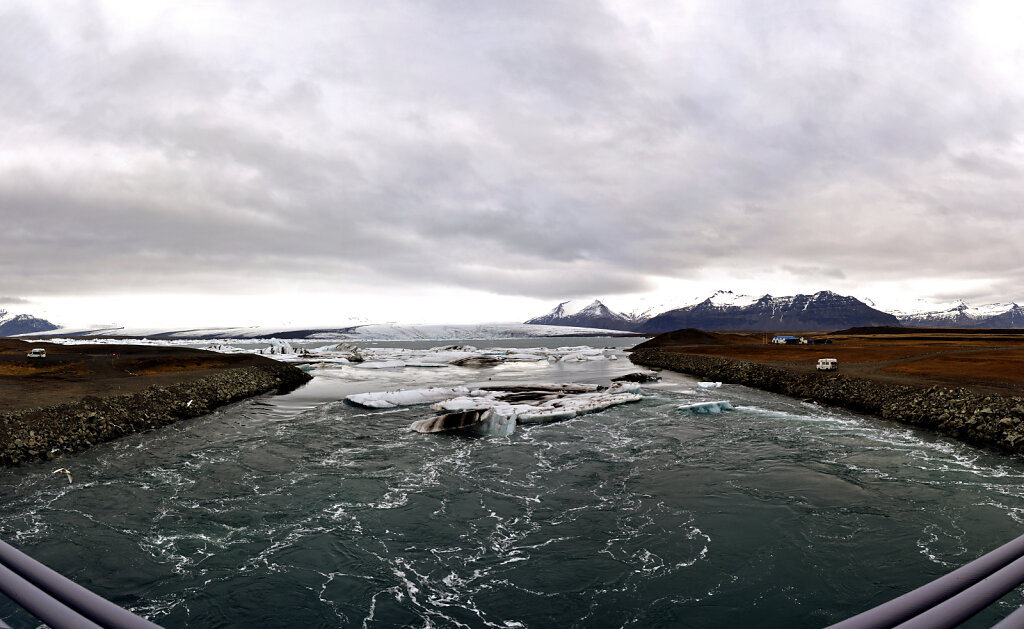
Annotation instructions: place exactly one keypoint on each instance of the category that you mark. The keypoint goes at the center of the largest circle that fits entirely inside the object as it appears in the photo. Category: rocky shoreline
(987, 420)
(45, 433)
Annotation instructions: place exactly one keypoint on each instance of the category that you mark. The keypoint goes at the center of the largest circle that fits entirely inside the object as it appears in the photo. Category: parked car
(827, 364)
(37, 353)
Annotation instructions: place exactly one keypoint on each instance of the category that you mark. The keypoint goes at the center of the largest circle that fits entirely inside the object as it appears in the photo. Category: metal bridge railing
(950, 600)
(56, 600)
(942, 604)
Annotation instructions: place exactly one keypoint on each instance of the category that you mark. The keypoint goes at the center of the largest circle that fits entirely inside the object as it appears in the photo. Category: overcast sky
(454, 161)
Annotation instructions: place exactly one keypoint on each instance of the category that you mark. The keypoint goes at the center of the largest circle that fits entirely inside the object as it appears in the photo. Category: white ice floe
(524, 357)
(466, 356)
(410, 397)
(483, 422)
(709, 385)
(381, 364)
(585, 354)
(496, 410)
(707, 407)
(501, 408)
(277, 346)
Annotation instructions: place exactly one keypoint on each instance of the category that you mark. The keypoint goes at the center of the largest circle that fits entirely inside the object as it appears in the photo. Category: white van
(827, 364)
(37, 353)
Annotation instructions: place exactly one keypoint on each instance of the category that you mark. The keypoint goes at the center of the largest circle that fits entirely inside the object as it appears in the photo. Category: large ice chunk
(707, 407)
(541, 403)
(484, 422)
(279, 347)
(411, 397)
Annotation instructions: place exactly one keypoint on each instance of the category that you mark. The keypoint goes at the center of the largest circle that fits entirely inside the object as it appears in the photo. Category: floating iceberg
(277, 346)
(583, 354)
(497, 409)
(638, 376)
(449, 355)
(298, 351)
(521, 357)
(483, 422)
(480, 360)
(500, 408)
(381, 364)
(709, 385)
(707, 407)
(411, 397)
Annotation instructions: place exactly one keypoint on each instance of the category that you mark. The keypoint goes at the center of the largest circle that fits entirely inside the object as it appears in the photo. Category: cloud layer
(537, 148)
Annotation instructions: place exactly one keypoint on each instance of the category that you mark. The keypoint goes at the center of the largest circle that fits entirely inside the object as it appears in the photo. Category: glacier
(360, 332)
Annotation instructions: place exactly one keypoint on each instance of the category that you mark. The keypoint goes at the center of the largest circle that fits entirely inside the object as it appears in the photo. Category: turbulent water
(303, 511)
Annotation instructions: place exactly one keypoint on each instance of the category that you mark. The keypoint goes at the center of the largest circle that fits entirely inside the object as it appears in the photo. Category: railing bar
(1013, 621)
(959, 608)
(40, 604)
(912, 603)
(82, 600)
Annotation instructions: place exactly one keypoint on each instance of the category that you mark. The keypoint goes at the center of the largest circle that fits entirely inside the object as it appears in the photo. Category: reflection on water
(300, 510)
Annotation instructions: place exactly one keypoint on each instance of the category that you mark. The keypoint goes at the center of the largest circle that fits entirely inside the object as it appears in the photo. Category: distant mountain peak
(23, 324)
(573, 307)
(823, 310)
(962, 314)
(580, 313)
(729, 299)
(727, 310)
(826, 309)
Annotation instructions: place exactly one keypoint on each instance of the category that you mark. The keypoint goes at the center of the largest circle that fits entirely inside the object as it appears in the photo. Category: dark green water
(302, 511)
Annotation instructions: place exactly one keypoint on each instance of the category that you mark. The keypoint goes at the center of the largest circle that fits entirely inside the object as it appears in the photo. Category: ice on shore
(709, 385)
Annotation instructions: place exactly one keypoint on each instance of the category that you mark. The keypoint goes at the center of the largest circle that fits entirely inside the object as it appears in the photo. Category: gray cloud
(12, 301)
(546, 149)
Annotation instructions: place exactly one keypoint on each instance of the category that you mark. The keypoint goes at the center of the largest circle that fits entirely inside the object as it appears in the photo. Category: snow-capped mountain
(22, 324)
(592, 315)
(726, 310)
(960, 314)
(824, 310)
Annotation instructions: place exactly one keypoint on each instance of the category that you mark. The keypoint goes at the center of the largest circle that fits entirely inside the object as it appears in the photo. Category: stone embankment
(45, 433)
(994, 421)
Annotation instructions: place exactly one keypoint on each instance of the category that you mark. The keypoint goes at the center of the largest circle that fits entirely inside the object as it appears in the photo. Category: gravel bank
(988, 420)
(45, 433)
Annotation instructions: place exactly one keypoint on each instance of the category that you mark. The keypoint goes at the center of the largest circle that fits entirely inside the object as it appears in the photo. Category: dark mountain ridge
(823, 310)
(595, 315)
(23, 324)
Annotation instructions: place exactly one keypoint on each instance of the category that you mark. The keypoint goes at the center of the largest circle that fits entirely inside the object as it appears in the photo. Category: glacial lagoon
(304, 510)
